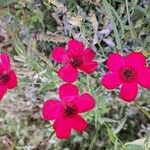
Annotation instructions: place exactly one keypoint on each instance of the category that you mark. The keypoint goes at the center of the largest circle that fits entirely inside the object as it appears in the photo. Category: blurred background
(30, 29)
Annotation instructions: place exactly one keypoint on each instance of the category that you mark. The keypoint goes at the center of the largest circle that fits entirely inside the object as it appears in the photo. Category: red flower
(128, 72)
(66, 111)
(8, 78)
(74, 58)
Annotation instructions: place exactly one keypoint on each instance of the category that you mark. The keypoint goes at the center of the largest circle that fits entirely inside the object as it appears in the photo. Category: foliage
(31, 30)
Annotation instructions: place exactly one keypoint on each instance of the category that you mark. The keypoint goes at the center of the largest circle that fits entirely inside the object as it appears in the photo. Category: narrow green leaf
(144, 111)
(129, 21)
(49, 86)
(118, 129)
(108, 10)
(111, 134)
(6, 2)
(119, 20)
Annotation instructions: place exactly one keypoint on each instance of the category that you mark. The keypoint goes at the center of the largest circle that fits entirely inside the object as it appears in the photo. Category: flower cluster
(66, 112)
(125, 72)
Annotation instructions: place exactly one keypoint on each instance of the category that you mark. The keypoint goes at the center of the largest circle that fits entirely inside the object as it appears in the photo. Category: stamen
(128, 74)
(69, 110)
(76, 61)
(4, 77)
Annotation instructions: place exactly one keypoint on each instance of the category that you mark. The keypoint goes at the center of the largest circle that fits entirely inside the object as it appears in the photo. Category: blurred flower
(66, 111)
(74, 58)
(8, 79)
(128, 72)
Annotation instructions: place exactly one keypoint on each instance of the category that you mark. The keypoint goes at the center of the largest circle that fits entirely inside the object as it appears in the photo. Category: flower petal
(115, 62)
(3, 90)
(75, 47)
(89, 67)
(78, 123)
(1, 68)
(12, 80)
(59, 54)
(111, 80)
(136, 59)
(68, 92)
(144, 77)
(84, 102)
(62, 128)
(67, 73)
(88, 55)
(129, 91)
(5, 61)
(51, 110)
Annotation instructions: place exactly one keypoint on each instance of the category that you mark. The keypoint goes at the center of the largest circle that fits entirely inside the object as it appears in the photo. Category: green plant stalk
(129, 21)
(108, 10)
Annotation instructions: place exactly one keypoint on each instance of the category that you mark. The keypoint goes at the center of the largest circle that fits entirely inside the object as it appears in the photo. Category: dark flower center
(76, 61)
(69, 110)
(4, 77)
(128, 74)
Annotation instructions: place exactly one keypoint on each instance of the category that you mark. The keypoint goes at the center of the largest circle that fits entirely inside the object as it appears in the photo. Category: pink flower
(8, 78)
(129, 72)
(74, 58)
(66, 111)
